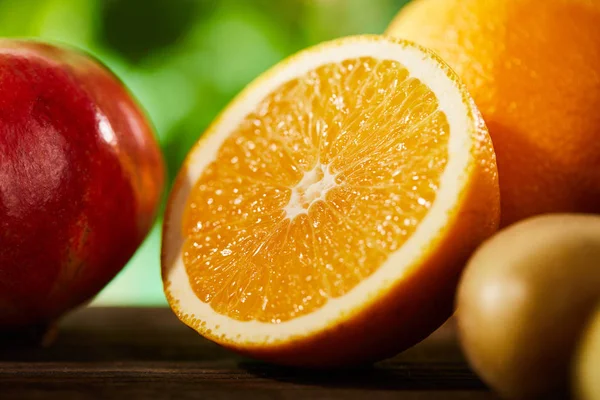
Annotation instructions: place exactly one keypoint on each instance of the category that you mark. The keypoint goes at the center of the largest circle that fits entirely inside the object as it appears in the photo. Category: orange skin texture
(81, 176)
(533, 68)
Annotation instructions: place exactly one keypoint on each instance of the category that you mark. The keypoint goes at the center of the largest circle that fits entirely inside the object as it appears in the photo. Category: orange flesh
(313, 191)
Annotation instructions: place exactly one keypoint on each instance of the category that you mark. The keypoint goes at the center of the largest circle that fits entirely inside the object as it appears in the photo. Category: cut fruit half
(325, 216)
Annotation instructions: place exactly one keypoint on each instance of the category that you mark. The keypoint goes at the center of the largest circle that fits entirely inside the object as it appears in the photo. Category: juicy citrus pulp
(322, 186)
(312, 192)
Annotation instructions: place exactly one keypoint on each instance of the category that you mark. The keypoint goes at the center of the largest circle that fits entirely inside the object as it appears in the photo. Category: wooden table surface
(146, 353)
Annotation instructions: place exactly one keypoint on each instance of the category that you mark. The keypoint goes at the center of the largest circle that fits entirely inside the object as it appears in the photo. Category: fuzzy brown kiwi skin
(524, 299)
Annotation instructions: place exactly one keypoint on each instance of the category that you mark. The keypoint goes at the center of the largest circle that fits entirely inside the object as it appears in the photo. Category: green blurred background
(184, 60)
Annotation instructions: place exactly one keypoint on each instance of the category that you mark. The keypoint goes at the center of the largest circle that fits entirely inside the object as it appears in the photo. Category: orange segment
(325, 216)
(313, 190)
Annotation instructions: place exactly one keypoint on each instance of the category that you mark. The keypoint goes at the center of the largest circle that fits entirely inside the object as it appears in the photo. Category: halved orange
(325, 216)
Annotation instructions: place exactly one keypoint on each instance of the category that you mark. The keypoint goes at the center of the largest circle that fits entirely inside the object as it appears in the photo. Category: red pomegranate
(81, 176)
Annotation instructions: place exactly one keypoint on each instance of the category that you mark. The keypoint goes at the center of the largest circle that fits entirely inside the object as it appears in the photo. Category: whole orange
(533, 68)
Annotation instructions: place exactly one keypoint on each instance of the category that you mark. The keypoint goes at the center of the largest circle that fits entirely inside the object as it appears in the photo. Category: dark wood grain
(146, 353)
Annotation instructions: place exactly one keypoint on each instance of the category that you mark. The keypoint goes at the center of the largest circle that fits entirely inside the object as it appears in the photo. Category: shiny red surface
(80, 179)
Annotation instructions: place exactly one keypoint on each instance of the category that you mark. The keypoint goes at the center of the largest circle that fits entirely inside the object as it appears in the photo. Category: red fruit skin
(81, 176)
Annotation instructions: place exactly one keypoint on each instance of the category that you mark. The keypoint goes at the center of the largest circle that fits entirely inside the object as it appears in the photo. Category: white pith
(451, 102)
(313, 187)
